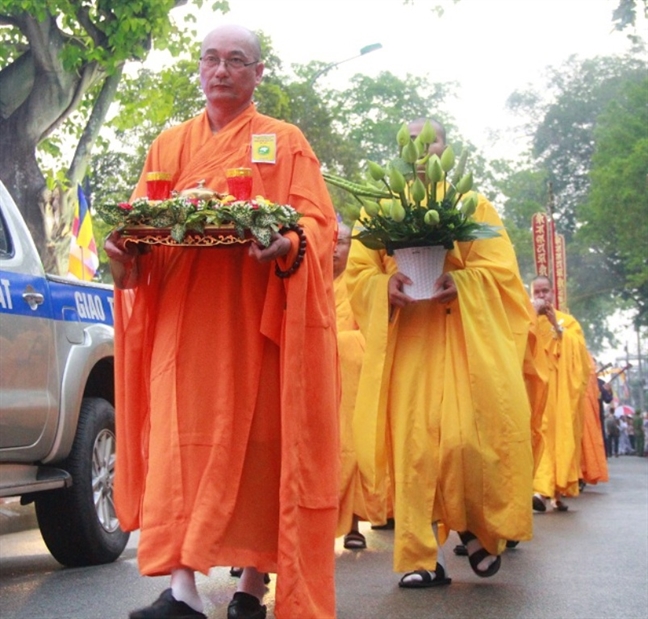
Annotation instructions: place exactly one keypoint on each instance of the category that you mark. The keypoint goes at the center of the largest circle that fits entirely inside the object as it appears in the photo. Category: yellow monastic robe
(562, 423)
(350, 351)
(536, 378)
(442, 406)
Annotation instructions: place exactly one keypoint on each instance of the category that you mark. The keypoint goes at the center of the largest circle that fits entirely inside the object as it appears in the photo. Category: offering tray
(213, 236)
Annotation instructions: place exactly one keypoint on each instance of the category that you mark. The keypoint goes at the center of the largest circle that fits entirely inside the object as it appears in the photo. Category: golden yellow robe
(536, 378)
(442, 406)
(227, 382)
(594, 467)
(562, 423)
(350, 350)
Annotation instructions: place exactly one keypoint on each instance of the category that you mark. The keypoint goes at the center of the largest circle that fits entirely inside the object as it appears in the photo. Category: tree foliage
(563, 141)
(525, 192)
(146, 103)
(372, 108)
(625, 14)
(564, 121)
(615, 216)
(61, 62)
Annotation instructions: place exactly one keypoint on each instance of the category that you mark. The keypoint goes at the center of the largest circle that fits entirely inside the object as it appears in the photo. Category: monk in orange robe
(226, 374)
(593, 459)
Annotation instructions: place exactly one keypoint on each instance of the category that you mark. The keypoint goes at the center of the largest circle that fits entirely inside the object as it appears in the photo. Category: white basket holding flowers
(414, 203)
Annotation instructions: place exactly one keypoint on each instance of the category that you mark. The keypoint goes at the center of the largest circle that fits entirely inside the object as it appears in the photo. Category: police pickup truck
(57, 420)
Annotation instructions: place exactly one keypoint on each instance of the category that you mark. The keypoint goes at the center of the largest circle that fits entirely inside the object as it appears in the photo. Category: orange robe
(351, 350)
(593, 461)
(226, 382)
(562, 422)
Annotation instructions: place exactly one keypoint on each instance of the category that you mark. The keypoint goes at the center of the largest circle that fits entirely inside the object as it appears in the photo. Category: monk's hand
(118, 251)
(279, 246)
(550, 313)
(123, 263)
(551, 316)
(540, 306)
(397, 298)
(445, 289)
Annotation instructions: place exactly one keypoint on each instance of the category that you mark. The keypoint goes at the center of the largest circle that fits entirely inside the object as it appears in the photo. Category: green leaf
(178, 232)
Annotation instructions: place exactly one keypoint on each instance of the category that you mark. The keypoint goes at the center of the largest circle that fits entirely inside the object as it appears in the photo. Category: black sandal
(460, 550)
(426, 581)
(559, 506)
(245, 606)
(167, 606)
(236, 572)
(354, 540)
(478, 556)
(388, 526)
(538, 504)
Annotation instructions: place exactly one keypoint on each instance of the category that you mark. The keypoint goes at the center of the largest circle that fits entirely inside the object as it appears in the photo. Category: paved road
(588, 563)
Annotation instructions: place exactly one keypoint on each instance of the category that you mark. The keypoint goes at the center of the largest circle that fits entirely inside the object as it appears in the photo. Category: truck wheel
(79, 524)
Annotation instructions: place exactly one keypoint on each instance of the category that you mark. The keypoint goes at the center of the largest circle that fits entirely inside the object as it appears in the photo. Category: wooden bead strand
(301, 252)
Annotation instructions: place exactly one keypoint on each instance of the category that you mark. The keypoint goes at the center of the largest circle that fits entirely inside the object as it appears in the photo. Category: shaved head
(248, 39)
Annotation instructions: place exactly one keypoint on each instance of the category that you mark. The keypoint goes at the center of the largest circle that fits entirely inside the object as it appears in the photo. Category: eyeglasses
(230, 63)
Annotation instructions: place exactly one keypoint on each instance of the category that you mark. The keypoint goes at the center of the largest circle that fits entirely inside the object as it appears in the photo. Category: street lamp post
(363, 51)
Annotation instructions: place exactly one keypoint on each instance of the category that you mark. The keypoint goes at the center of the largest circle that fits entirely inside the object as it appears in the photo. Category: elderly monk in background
(442, 400)
(226, 373)
(351, 347)
(559, 469)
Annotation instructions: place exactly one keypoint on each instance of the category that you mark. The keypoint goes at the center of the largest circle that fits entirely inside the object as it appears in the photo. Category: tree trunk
(20, 173)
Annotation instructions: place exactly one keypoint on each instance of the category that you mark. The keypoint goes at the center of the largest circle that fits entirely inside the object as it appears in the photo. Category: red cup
(158, 185)
(239, 183)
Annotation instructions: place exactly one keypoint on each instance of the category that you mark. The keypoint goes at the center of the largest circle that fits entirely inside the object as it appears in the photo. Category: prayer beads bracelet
(301, 252)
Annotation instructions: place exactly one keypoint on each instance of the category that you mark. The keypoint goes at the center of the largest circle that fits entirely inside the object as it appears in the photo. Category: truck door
(28, 372)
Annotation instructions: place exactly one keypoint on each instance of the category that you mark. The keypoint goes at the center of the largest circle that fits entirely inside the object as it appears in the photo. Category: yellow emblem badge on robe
(264, 148)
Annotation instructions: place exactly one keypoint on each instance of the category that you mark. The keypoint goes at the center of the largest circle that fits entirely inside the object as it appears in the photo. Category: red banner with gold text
(550, 256)
(540, 244)
(560, 271)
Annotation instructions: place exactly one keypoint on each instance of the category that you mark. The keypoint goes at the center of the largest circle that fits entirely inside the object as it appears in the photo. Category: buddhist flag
(84, 260)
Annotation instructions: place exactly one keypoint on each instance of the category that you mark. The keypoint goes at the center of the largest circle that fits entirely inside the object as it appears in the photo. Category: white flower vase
(423, 265)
